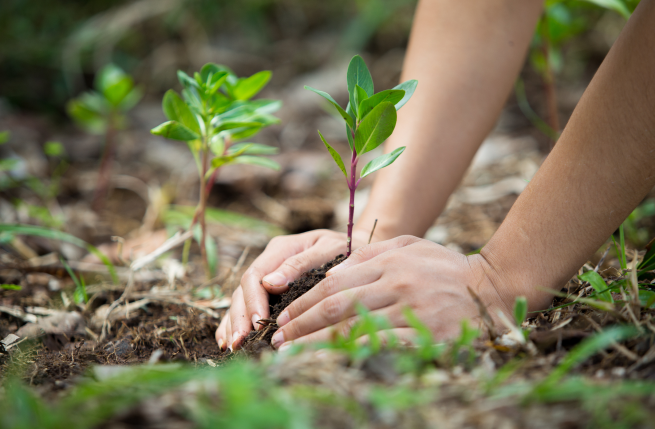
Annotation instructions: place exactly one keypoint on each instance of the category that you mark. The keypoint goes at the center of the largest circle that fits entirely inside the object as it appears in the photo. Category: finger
(330, 286)
(391, 337)
(343, 328)
(370, 251)
(240, 324)
(279, 249)
(333, 310)
(221, 331)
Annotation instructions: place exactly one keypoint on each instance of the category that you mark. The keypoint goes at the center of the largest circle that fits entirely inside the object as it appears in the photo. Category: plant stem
(201, 214)
(549, 83)
(352, 186)
(104, 171)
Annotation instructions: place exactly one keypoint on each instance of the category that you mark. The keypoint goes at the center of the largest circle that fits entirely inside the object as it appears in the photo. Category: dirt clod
(258, 341)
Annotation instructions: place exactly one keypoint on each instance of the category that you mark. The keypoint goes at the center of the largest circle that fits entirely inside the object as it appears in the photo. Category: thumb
(370, 251)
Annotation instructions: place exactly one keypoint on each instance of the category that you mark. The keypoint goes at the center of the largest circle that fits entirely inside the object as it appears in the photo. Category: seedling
(370, 119)
(213, 112)
(103, 112)
(560, 22)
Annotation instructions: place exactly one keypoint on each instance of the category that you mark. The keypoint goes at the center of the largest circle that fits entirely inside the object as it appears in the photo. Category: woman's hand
(283, 261)
(385, 278)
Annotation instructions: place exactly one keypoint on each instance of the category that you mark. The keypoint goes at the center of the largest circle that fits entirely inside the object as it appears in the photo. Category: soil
(258, 341)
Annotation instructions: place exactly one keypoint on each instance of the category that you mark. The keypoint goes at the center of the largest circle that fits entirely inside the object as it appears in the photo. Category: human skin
(582, 192)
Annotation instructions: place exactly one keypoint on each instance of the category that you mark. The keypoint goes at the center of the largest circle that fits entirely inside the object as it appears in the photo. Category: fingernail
(278, 339)
(235, 337)
(283, 318)
(285, 346)
(255, 319)
(220, 344)
(334, 269)
(275, 279)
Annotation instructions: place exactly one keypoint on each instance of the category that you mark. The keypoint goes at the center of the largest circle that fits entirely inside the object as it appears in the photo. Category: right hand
(283, 261)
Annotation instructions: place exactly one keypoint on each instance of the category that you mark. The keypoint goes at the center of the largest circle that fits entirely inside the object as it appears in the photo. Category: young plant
(561, 21)
(103, 112)
(213, 112)
(370, 119)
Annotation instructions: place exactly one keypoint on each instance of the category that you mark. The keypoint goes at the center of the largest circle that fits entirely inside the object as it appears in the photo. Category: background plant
(370, 119)
(560, 23)
(214, 112)
(102, 111)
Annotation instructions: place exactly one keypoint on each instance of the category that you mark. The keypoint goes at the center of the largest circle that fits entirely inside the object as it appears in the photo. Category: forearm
(466, 55)
(600, 169)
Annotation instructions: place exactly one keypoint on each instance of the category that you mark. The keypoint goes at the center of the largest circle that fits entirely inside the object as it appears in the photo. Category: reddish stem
(352, 186)
(104, 172)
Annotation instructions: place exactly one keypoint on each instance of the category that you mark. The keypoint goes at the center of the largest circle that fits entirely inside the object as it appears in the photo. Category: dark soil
(258, 341)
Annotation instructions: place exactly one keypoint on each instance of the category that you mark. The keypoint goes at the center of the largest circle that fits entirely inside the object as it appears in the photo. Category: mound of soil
(258, 341)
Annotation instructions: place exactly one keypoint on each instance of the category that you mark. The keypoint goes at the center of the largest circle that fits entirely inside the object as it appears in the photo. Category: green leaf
(257, 160)
(375, 128)
(231, 125)
(393, 96)
(177, 110)
(4, 136)
(360, 96)
(88, 112)
(80, 295)
(10, 287)
(648, 263)
(54, 149)
(193, 99)
(186, 81)
(520, 310)
(616, 5)
(358, 74)
(108, 76)
(247, 88)
(181, 216)
(409, 87)
(381, 162)
(349, 135)
(346, 117)
(130, 100)
(175, 131)
(335, 155)
(264, 105)
(38, 231)
(599, 285)
(252, 149)
(116, 93)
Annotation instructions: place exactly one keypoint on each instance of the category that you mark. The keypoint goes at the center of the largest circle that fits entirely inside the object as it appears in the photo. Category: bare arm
(466, 55)
(600, 169)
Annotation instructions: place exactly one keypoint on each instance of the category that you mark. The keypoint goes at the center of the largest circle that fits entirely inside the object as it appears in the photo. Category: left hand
(385, 278)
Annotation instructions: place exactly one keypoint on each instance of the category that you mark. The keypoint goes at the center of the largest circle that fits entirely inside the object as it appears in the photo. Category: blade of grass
(80, 286)
(38, 231)
(624, 261)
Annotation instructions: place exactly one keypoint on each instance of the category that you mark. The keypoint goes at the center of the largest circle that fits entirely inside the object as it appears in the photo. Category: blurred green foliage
(40, 39)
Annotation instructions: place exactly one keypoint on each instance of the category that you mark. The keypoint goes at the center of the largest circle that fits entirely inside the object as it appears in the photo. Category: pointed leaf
(598, 284)
(349, 134)
(175, 131)
(186, 80)
(257, 160)
(381, 162)
(358, 74)
(247, 88)
(520, 310)
(266, 106)
(360, 95)
(375, 128)
(252, 149)
(345, 115)
(177, 110)
(335, 155)
(409, 87)
(393, 96)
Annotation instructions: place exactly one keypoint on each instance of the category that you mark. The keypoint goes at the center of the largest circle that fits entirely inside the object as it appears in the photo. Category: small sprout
(370, 119)
(53, 149)
(102, 111)
(520, 310)
(214, 111)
